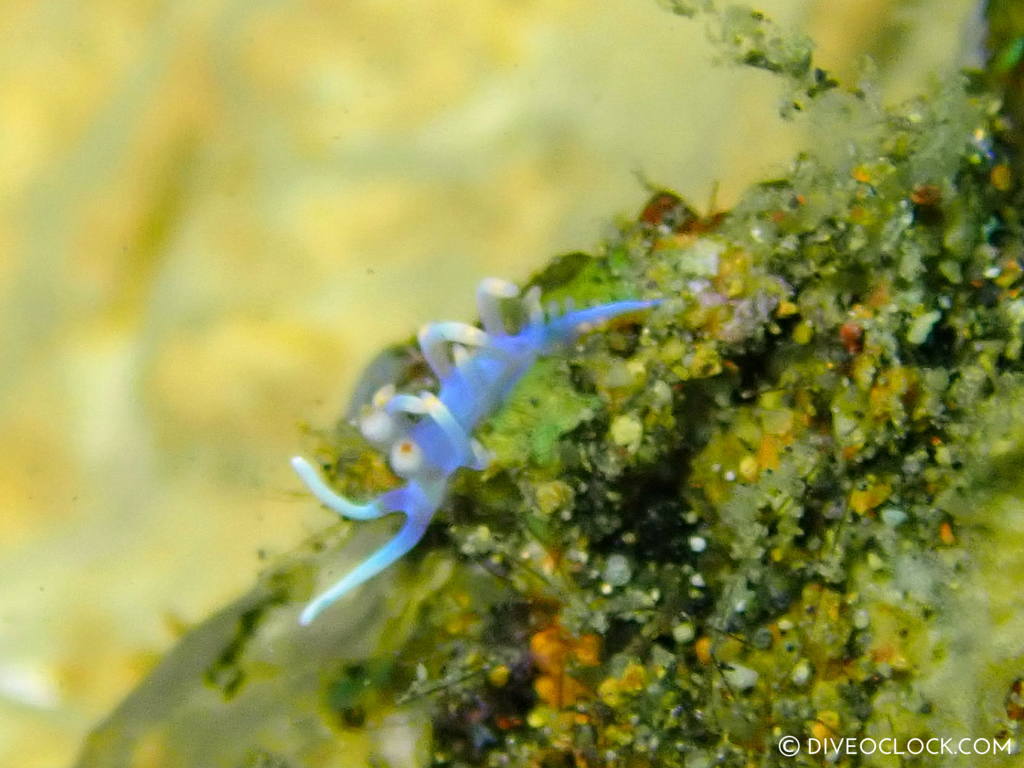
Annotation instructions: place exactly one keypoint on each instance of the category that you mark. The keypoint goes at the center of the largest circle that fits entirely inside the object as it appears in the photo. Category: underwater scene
(547, 384)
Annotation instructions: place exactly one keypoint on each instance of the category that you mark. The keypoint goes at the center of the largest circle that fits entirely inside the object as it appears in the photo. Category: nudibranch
(429, 436)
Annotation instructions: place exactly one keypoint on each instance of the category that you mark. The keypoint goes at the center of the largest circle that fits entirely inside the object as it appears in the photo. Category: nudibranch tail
(407, 538)
(578, 321)
(429, 436)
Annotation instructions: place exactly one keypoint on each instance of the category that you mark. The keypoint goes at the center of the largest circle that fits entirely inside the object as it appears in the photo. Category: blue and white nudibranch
(429, 436)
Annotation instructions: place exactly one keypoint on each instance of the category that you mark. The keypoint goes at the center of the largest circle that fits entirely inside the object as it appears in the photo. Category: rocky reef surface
(789, 501)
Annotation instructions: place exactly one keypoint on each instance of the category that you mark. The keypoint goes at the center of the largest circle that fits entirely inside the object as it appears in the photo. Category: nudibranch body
(429, 435)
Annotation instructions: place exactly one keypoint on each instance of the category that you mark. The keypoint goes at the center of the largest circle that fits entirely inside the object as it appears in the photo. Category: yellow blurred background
(213, 213)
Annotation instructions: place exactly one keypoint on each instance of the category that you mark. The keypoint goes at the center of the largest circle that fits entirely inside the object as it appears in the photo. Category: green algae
(528, 429)
(786, 502)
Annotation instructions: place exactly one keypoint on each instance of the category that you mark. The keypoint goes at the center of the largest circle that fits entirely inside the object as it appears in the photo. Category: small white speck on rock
(617, 571)
(801, 672)
(740, 677)
(683, 633)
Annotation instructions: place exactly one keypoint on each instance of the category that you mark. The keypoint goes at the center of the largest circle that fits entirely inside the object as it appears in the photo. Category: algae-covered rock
(246, 689)
(787, 502)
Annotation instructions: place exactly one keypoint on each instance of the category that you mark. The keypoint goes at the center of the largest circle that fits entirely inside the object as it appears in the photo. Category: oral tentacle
(330, 498)
(406, 538)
